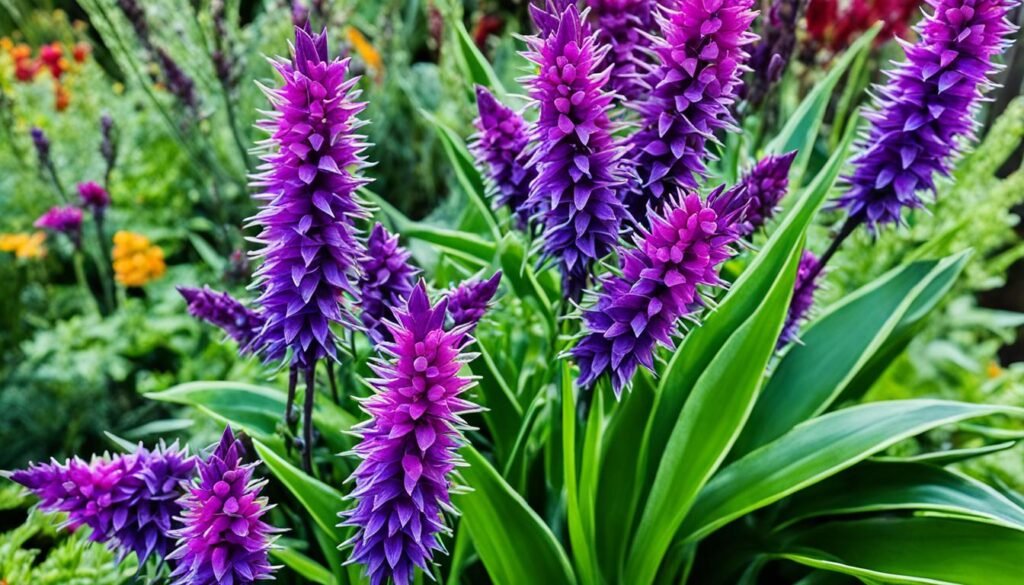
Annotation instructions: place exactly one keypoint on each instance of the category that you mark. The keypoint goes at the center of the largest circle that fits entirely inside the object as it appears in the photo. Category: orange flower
(136, 260)
(24, 246)
(20, 52)
(6, 44)
(366, 51)
(62, 97)
(81, 51)
(993, 370)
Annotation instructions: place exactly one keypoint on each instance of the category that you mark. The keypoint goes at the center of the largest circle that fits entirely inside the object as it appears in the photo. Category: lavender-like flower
(221, 309)
(137, 18)
(63, 219)
(808, 279)
(546, 14)
(178, 82)
(409, 446)
(576, 159)
(681, 250)
(766, 183)
(469, 301)
(42, 145)
(499, 144)
(129, 501)
(700, 59)
(622, 24)
(387, 279)
(224, 539)
(93, 196)
(773, 52)
(926, 110)
(311, 252)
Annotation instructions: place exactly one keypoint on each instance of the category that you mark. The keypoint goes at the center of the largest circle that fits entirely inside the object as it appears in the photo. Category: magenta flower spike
(223, 539)
(808, 279)
(682, 250)
(498, 145)
(387, 279)
(223, 310)
(311, 250)
(576, 158)
(65, 220)
(468, 303)
(766, 183)
(410, 444)
(700, 58)
(625, 26)
(93, 197)
(922, 117)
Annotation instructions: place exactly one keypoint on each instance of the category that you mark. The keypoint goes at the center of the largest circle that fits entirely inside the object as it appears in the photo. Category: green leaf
(913, 550)
(214, 260)
(814, 373)
(459, 244)
(321, 500)
(818, 449)
(306, 567)
(577, 509)
(519, 273)
(478, 70)
(880, 487)
(709, 423)
(503, 415)
(496, 517)
(951, 455)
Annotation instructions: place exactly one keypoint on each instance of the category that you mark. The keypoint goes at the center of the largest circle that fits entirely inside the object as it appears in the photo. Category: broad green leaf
(513, 542)
(709, 423)
(879, 487)
(818, 449)
(214, 260)
(518, 272)
(576, 507)
(478, 70)
(949, 456)
(321, 500)
(814, 373)
(306, 567)
(913, 550)
(503, 415)
(460, 244)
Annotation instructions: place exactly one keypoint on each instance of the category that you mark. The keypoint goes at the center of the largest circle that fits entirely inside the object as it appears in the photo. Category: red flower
(61, 97)
(81, 51)
(25, 69)
(833, 26)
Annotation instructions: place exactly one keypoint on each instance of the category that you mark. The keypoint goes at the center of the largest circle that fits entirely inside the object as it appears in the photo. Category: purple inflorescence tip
(766, 183)
(93, 196)
(311, 252)
(64, 219)
(499, 144)
(926, 110)
(223, 310)
(223, 539)
(386, 281)
(468, 303)
(577, 160)
(808, 280)
(409, 446)
(625, 25)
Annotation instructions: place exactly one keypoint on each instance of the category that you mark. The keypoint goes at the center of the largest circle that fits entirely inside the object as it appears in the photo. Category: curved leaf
(478, 70)
(309, 569)
(950, 456)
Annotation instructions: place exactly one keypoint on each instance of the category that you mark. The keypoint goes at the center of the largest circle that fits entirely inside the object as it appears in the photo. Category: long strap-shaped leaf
(816, 450)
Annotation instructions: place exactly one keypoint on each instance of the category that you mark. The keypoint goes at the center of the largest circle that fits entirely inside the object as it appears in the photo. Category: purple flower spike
(545, 14)
(42, 145)
(700, 59)
(470, 300)
(65, 219)
(622, 24)
(311, 252)
(386, 281)
(499, 143)
(223, 310)
(926, 110)
(576, 159)
(808, 280)
(93, 196)
(223, 540)
(409, 446)
(766, 183)
(682, 250)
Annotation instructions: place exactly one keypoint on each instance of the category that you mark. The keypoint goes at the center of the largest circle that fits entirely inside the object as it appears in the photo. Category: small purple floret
(468, 303)
(766, 183)
(622, 25)
(808, 279)
(223, 310)
(387, 279)
(499, 144)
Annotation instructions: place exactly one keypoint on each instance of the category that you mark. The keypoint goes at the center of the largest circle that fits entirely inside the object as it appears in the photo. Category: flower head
(93, 196)
(223, 539)
(221, 309)
(622, 25)
(700, 58)
(924, 113)
(387, 279)
(65, 220)
(808, 279)
(770, 57)
(681, 250)
(136, 260)
(311, 252)
(500, 140)
(766, 183)
(471, 299)
(409, 446)
(576, 159)
(24, 246)
(42, 145)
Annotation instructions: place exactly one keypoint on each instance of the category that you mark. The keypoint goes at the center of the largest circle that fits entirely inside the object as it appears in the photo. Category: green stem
(82, 283)
(106, 272)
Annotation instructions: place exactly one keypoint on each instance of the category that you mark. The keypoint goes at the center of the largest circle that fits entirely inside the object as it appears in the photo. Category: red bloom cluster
(834, 24)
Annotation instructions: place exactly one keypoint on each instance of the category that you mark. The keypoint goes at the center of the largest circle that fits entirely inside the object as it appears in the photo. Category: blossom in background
(24, 246)
(808, 279)
(700, 59)
(25, 68)
(223, 310)
(179, 83)
(683, 249)
(498, 144)
(136, 260)
(366, 51)
(469, 301)
(311, 252)
(42, 145)
(766, 183)
(922, 116)
(622, 24)
(63, 219)
(93, 196)
(52, 57)
(223, 539)
(771, 55)
(835, 24)
(410, 444)
(576, 158)
(385, 281)
(80, 52)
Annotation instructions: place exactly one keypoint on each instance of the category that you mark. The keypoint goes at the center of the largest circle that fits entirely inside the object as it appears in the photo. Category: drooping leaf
(303, 565)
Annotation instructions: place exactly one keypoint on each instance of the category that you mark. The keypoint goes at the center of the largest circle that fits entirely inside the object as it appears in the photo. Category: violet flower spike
(700, 58)
(923, 116)
(65, 220)
(809, 275)
(409, 447)
(311, 249)
(766, 184)
(223, 539)
(222, 310)
(772, 54)
(623, 25)
(682, 250)
(498, 145)
(93, 197)
(545, 15)
(469, 301)
(386, 280)
(577, 160)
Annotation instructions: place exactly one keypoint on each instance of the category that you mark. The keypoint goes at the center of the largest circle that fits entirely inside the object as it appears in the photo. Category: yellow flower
(136, 260)
(24, 246)
(6, 45)
(993, 370)
(366, 50)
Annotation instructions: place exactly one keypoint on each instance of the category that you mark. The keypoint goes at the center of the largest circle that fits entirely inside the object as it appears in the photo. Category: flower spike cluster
(311, 253)
(65, 220)
(622, 25)
(766, 183)
(409, 446)
(93, 197)
(681, 250)
(223, 540)
(576, 158)
(700, 60)
(924, 113)
(471, 299)
(808, 279)
(500, 140)
(225, 311)
(387, 279)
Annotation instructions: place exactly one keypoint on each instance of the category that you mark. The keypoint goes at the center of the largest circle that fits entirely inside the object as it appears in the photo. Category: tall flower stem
(293, 381)
(307, 419)
(51, 172)
(83, 284)
(333, 382)
(106, 274)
